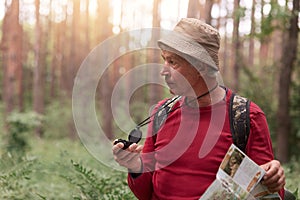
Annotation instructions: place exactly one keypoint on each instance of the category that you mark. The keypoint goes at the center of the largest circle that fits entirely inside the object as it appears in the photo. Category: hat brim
(187, 48)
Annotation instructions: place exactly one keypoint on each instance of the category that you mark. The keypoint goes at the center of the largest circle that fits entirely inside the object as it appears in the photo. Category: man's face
(180, 75)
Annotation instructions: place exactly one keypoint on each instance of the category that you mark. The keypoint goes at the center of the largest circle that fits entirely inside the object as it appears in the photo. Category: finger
(135, 148)
(266, 166)
(128, 153)
(117, 148)
(271, 179)
(275, 187)
(139, 148)
(132, 147)
(273, 176)
(272, 171)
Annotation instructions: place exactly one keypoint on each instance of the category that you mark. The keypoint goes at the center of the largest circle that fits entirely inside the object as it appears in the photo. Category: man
(181, 159)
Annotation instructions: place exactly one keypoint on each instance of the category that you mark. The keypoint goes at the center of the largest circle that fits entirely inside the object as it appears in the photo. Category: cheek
(180, 78)
(185, 79)
(192, 77)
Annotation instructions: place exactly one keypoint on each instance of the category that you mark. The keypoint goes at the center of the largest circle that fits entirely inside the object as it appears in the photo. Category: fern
(14, 179)
(94, 186)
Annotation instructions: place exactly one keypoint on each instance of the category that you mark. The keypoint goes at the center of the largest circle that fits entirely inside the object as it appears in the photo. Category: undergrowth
(60, 170)
(63, 169)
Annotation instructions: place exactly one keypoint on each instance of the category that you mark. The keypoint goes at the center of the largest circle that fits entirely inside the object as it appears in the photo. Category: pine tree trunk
(87, 27)
(193, 9)
(252, 33)
(74, 59)
(218, 25)
(104, 32)
(287, 63)
(11, 47)
(57, 59)
(236, 46)
(155, 92)
(39, 65)
(264, 42)
(226, 51)
(208, 8)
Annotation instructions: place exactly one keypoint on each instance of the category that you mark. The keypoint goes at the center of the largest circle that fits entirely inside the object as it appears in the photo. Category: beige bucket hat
(195, 41)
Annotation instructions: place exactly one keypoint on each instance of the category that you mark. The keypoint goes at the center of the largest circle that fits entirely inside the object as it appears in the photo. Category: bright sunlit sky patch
(129, 14)
(134, 14)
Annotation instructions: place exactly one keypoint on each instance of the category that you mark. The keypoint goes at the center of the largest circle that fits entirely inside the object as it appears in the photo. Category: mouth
(168, 81)
(170, 84)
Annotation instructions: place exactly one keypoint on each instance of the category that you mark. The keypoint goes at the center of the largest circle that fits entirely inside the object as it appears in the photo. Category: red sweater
(183, 159)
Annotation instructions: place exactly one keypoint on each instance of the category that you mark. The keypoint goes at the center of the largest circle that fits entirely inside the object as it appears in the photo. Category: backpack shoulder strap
(238, 116)
(239, 120)
(162, 113)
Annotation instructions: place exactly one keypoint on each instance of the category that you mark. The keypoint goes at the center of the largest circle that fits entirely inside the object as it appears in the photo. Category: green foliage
(2, 124)
(15, 176)
(266, 98)
(95, 186)
(239, 13)
(277, 18)
(292, 171)
(20, 126)
(58, 115)
(52, 174)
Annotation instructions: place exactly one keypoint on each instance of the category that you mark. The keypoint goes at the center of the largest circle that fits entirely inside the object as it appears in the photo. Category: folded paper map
(238, 178)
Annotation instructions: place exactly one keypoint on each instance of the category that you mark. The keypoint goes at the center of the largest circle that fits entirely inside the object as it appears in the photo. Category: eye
(173, 63)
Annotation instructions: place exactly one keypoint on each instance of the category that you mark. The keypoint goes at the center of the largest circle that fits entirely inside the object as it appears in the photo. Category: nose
(165, 70)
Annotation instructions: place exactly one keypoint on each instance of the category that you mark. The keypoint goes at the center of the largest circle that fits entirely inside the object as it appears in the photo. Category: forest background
(44, 42)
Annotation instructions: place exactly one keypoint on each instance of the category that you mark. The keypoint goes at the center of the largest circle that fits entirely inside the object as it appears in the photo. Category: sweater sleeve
(259, 145)
(141, 184)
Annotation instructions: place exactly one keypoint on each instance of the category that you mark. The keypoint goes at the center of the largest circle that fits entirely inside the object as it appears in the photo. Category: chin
(174, 92)
(171, 91)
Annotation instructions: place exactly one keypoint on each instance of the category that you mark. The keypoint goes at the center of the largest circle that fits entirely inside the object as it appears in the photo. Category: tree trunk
(193, 9)
(252, 33)
(218, 25)
(276, 38)
(287, 63)
(57, 59)
(226, 51)
(63, 72)
(264, 41)
(74, 59)
(154, 55)
(39, 68)
(87, 27)
(208, 8)
(201, 8)
(104, 31)
(11, 47)
(236, 46)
